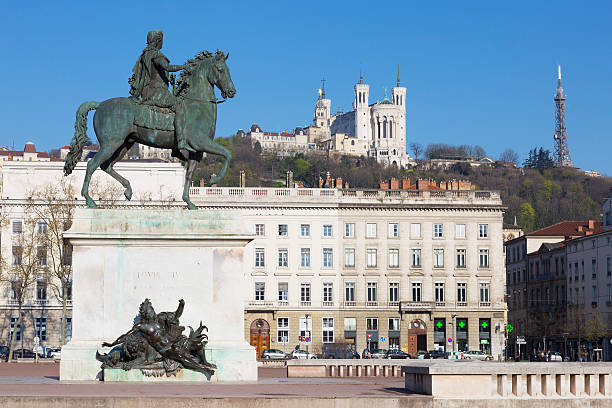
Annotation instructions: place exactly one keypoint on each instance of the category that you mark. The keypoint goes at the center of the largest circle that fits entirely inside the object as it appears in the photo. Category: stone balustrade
(346, 368)
(473, 380)
(346, 196)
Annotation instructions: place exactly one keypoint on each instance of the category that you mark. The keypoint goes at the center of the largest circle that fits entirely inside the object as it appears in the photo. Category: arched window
(385, 129)
(391, 129)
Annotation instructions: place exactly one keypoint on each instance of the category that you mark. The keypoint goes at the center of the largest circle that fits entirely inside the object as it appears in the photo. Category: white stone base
(121, 257)
(234, 361)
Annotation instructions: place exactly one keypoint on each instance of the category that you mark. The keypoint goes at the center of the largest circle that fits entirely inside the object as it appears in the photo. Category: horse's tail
(80, 136)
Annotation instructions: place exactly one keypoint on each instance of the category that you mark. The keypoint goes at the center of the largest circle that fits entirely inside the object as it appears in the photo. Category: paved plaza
(42, 379)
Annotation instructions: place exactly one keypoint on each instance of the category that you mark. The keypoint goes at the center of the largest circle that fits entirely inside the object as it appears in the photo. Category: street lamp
(454, 333)
(308, 334)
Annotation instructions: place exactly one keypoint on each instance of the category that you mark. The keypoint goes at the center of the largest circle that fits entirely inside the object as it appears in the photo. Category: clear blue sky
(476, 72)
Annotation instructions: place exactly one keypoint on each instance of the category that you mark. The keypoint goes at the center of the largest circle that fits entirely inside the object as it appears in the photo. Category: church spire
(361, 73)
(398, 80)
(323, 88)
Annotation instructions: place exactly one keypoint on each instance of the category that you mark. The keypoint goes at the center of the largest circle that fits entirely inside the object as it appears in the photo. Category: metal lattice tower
(561, 153)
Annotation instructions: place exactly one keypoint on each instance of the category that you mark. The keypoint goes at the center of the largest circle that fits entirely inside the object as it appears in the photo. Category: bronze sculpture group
(156, 345)
(183, 121)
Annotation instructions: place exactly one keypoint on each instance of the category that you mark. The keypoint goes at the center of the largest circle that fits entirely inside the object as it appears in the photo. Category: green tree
(526, 217)
(595, 329)
(549, 190)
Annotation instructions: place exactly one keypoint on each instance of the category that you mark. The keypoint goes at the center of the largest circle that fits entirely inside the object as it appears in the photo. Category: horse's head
(219, 75)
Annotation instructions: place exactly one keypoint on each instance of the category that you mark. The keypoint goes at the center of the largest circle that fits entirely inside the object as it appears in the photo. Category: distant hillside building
(374, 130)
(28, 153)
(280, 143)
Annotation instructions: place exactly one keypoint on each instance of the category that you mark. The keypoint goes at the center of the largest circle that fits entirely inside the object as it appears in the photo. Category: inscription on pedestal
(154, 275)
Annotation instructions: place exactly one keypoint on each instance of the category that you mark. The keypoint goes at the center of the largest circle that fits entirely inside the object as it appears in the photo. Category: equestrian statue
(183, 121)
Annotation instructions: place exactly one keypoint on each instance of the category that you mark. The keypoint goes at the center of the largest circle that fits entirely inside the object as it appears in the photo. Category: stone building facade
(548, 299)
(335, 265)
(589, 292)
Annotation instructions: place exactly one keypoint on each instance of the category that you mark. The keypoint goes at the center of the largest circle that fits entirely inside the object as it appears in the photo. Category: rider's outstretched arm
(163, 63)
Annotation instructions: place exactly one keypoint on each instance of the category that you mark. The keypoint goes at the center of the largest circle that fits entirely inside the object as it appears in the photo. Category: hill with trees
(537, 194)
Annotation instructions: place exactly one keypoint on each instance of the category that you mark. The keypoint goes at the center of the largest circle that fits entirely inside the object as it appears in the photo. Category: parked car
(302, 355)
(437, 354)
(50, 351)
(422, 355)
(555, 356)
(366, 353)
(379, 353)
(397, 354)
(23, 353)
(477, 355)
(57, 354)
(272, 353)
(339, 350)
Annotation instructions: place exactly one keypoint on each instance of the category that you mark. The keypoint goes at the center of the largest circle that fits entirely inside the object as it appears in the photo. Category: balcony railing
(331, 194)
(416, 306)
(41, 302)
(260, 304)
(404, 307)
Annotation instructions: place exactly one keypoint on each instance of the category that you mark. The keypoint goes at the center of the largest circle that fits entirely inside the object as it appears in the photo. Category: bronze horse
(115, 129)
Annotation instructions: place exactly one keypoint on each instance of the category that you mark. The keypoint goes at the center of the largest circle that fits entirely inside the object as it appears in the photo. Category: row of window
(577, 271)
(328, 326)
(581, 298)
(575, 247)
(372, 230)
(543, 296)
(41, 227)
(372, 292)
(40, 328)
(372, 258)
(40, 289)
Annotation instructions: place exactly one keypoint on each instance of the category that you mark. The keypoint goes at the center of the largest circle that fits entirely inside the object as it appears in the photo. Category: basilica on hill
(371, 129)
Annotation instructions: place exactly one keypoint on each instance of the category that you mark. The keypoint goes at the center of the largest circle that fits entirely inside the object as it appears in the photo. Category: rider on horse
(149, 83)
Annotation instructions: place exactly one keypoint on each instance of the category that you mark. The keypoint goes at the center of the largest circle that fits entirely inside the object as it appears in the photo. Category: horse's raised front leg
(194, 159)
(215, 148)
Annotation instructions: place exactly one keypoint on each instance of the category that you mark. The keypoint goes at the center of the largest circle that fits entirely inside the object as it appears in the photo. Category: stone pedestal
(121, 257)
